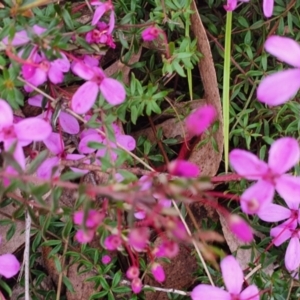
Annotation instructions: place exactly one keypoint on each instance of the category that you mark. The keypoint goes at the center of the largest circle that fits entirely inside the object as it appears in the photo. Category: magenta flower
(233, 278)
(104, 7)
(9, 265)
(68, 123)
(86, 95)
(167, 249)
(268, 6)
(151, 33)
(136, 285)
(281, 86)
(106, 259)
(158, 272)
(138, 238)
(283, 155)
(183, 168)
(39, 69)
(240, 228)
(132, 272)
(199, 120)
(282, 233)
(93, 220)
(84, 236)
(112, 242)
(101, 35)
(24, 132)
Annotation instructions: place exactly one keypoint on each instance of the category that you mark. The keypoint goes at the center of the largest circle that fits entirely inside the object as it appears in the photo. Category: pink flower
(233, 278)
(282, 233)
(167, 249)
(86, 95)
(199, 121)
(106, 259)
(283, 155)
(93, 220)
(102, 35)
(9, 265)
(240, 228)
(268, 6)
(150, 33)
(21, 37)
(281, 86)
(158, 272)
(68, 123)
(112, 242)
(84, 236)
(183, 168)
(24, 132)
(102, 8)
(132, 272)
(39, 68)
(138, 238)
(136, 285)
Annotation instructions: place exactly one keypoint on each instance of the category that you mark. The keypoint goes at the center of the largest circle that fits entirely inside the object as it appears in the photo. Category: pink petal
(9, 265)
(256, 196)
(287, 187)
(55, 75)
(54, 143)
(85, 97)
(45, 169)
(283, 48)
(268, 6)
(111, 24)
(33, 129)
(36, 100)
(68, 123)
(247, 164)
(240, 228)
(199, 121)
(284, 154)
(99, 12)
(113, 91)
(62, 64)
(292, 255)
(279, 87)
(91, 61)
(273, 213)
(83, 71)
(230, 5)
(250, 293)
(84, 236)
(83, 144)
(158, 272)
(39, 77)
(232, 274)
(283, 232)
(6, 114)
(208, 292)
(77, 157)
(127, 141)
(20, 38)
(38, 30)
(183, 168)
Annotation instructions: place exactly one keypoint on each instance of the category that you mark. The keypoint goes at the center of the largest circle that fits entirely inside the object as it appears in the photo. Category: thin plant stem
(27, 254)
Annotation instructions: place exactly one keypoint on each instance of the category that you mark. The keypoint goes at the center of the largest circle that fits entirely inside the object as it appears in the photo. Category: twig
(27, 253)
(59, 284)
(258, 267)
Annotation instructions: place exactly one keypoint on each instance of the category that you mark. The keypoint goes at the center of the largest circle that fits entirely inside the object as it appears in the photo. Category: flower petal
(284, 154)
(55, 75)
(274, 213)
(68, 123)
(240, 228)
(283, 48)
(127, 141)
(208, 292)
(287, 187)
(85, 97)
(38, 77)
(250, 293)
(83, 144)
(20, 38)
(45, 170)
(268, 6)
(279, 87)
(283, 232)
(232, 275)
(113, 91)
(62, 64)
(36, 100)
(32, 129)
(292, 255)
(99, 12)
(6, 114)
(256, 196)
(9, 265)
(247, 164)
(54, 143)
(83, 71)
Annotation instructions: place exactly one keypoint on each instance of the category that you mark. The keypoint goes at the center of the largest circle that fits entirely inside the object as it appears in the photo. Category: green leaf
(67, 18)
(68, 284)
(116, 279)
